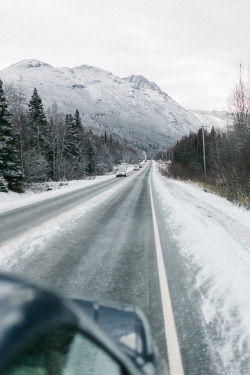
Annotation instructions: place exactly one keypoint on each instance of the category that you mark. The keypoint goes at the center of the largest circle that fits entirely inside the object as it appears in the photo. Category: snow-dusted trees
(10, 172)
(17, 107)
(227, 161)
(91, 152)
(37, 123)
(74, 132)
(105, 156)
(49, 145)
(75, 162)
(226, 155)
(35, 153)
(56, 141)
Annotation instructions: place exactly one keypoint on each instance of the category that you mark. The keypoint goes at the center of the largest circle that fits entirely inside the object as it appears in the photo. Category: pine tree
(69, 136)
(9, 166)
(74, 134)
(37, 123)
(77, 131)
(77, 122)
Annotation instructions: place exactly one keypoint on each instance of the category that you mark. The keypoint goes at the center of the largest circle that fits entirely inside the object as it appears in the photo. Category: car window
(64, 352)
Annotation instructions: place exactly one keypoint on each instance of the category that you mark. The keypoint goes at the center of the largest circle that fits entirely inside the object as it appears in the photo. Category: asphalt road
(18, 221)
(110, 253)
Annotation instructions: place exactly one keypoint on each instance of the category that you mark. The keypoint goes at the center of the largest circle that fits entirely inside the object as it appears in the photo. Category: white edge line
(174, 355)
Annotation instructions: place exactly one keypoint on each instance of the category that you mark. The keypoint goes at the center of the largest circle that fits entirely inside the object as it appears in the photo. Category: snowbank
(214, 235)
(12, 200)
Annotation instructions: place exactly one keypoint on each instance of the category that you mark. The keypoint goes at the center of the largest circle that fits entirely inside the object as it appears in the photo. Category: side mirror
(44, 333)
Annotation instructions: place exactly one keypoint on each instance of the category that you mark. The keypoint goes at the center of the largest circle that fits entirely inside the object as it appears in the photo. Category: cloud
(189, 47)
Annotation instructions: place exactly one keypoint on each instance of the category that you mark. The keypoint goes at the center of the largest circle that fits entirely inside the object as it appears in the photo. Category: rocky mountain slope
(132, 109)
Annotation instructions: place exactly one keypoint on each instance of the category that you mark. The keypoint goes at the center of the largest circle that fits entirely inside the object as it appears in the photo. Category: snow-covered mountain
(132, 109)
(216, 119)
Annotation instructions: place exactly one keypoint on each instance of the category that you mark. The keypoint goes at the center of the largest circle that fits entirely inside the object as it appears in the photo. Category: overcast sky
(190, 48)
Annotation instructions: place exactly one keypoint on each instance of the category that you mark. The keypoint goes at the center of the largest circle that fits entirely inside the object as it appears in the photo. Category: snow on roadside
(214, 234)
(13, 200)
(39, 237)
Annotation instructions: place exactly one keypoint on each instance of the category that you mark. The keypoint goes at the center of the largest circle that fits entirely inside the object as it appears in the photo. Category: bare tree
(239, 104)
(17, 105)
(56, 134)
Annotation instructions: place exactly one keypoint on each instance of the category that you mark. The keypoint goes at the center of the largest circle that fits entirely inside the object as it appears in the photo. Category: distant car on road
(140, 165)
(136, 168)
(121, 173)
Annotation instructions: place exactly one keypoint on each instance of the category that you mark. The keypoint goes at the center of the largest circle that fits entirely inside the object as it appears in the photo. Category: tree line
(36, 146)
(221, 159)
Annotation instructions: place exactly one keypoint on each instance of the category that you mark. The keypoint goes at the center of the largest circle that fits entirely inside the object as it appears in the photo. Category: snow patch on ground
(13, 200)
(37, 238)
(214, 234)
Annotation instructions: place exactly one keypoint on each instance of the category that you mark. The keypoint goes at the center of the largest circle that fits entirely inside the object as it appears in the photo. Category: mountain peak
(31, 63)
(129, 109)
(90, 68)
(140, 82)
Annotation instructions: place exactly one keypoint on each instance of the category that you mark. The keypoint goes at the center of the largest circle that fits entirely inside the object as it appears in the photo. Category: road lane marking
(174, 355)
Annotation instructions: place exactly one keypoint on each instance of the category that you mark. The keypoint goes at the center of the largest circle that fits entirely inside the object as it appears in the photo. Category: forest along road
(111, 241)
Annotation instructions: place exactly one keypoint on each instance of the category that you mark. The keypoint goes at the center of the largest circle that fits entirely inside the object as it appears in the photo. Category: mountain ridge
(132, 109)
(216, 119)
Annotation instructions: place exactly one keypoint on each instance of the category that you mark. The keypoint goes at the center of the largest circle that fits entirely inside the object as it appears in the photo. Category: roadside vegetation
(39, 146)
(219, 161)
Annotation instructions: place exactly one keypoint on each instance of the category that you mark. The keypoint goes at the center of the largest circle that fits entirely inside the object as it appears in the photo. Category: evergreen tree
(69, 136)
(37, 123)
(77, 131)
(77, 122)
(74, 152)
(74, 134)
(9, 166)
